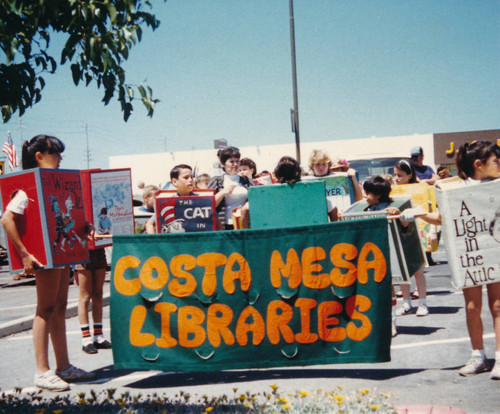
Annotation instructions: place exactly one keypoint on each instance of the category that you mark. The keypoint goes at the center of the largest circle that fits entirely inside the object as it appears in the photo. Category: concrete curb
(26, 322)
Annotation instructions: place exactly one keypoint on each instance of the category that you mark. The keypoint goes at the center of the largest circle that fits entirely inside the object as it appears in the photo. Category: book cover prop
(423, 196)
(406, 249)
(109, 203)
(185, 214)
(287, 205)
(338, 189)
(471, 232)
(53, 226)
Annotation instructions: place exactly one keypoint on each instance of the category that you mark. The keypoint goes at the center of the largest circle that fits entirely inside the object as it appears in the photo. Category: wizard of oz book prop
(287, 205)
(423, 196)
(318, 294)
(406, 251)
(108, 203)
(471, 231)
(53, 225)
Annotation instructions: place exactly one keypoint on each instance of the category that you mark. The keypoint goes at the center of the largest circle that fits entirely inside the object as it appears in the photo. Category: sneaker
(74, 374)
(89, 349)
(104, 344)
(474, 366)
(422, 310)
(50, 381)
(405, 309)
(495, 372)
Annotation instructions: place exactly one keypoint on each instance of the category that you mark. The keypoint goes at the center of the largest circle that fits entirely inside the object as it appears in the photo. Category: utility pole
(295, 111)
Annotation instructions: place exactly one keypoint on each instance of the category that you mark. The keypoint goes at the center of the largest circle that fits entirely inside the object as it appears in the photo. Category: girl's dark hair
(408, 168)
(380, 187)
(476, 150)
(288, 170)
(40, 143)
(226, 153)
(250, 164)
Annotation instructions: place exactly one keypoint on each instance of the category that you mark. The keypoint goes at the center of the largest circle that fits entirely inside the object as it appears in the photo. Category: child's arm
(150, 226)
(358, 194)
(9, 223)
(431, 218)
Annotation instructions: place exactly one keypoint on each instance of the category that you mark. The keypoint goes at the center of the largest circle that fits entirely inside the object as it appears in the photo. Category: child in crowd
(477, 162)
(287, 170)
(181, 177)
(148, 198)
(247, 168)
(44, 151)
(404, 173)
(201, 182)
(90, 280)
(378, 191)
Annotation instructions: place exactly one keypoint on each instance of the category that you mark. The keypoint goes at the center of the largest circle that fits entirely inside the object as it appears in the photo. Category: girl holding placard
(477, 162)
(51, 284)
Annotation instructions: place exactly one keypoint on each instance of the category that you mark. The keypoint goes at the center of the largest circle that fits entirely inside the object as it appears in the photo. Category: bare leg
(97, 293)
(420, 283)
(494, 303)
(52, 293)
(85, 292)
(473, 305)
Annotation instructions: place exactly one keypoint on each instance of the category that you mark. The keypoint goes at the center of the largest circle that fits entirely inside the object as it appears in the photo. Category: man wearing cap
(425, 173)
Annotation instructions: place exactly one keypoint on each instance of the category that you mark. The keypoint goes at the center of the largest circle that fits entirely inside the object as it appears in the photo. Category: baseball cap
(416, 151)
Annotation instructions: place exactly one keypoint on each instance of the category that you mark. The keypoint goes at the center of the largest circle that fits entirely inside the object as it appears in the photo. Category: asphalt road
(425, 358)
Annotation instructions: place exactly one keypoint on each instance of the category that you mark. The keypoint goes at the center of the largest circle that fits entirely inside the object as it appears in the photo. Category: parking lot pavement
(423, 371)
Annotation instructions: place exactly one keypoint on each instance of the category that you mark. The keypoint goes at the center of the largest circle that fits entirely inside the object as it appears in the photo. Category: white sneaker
(74, 374)
(394, 328)
(495, 372)
(474, 366)
(405, 309)
(50, 381)
(422, 310)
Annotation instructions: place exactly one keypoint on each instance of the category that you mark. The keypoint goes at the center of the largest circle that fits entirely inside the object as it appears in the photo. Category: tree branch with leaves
(100, 35)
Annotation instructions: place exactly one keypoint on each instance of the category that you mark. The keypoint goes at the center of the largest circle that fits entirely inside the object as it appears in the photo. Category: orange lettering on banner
(311, 255)
(326, 319)
(291, 270)
(340, 254)
(136, 322)
(362, 303)
(377, 263)
(165, 310)
(230, 275)
(305, 336)
(122, 285)
(257, 326)
(278, 322)
(218, 319)
(177, 289)
(146, 275)
(191, 333)
(210, 261)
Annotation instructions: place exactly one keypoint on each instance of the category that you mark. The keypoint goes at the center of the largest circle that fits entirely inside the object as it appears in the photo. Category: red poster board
(108, 203)
(53, 226)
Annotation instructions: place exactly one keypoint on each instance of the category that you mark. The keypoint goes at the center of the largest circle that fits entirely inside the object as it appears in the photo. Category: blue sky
(222, 69)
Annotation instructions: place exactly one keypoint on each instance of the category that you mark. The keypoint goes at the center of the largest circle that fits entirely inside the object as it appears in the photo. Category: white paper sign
(471, 231)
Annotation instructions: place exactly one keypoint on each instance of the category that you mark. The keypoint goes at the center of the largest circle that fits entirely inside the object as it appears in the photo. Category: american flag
(10, 149)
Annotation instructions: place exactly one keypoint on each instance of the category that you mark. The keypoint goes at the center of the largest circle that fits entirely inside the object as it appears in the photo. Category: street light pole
(295, 112)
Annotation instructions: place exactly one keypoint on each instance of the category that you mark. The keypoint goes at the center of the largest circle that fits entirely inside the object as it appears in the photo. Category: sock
(98, 336)
(407, 302)
(479, 353)
(422, 302)
(86, 339)
(497, 357)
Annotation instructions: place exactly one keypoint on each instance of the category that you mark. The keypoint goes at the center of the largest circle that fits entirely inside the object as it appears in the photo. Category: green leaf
(76, 72)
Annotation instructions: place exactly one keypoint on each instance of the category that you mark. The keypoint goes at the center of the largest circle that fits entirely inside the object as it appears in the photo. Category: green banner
(253, 298)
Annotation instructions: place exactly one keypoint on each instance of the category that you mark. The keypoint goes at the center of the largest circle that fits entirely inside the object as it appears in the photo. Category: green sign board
(252, 298)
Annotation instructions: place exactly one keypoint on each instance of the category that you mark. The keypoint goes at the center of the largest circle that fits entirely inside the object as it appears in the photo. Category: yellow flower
(282, 400)
(286, 407)
(274, 387)
(364, 391)
(339, 399)
(57, 411)
(374, 407)
(208, 409)
(303, 393)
